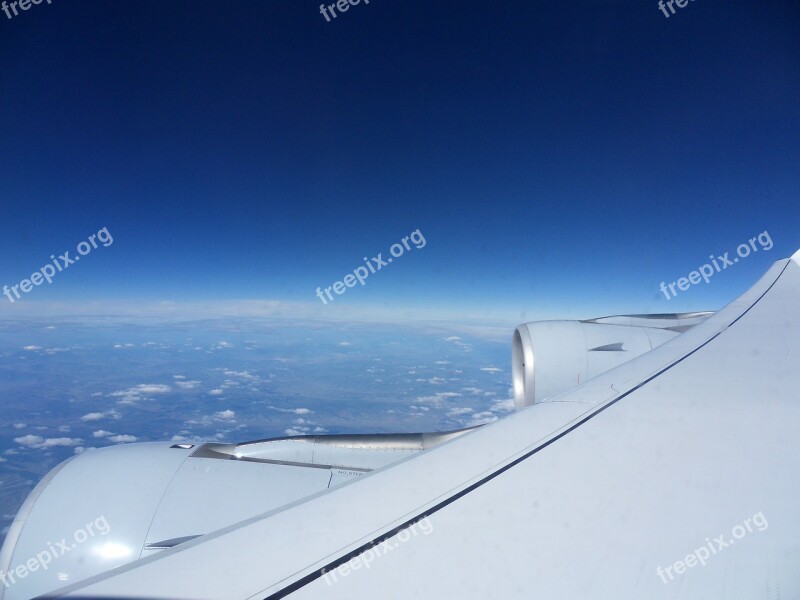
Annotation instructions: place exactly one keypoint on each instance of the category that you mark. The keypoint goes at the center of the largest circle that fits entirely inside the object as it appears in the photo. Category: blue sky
(561, 159)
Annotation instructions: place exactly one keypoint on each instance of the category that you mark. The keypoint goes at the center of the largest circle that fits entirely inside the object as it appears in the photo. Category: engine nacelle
(551, 357)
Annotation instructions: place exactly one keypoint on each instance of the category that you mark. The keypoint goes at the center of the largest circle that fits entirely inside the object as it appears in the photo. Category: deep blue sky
(560, 158)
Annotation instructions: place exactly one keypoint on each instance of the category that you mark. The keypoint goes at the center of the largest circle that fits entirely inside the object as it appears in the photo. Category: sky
(560, 160)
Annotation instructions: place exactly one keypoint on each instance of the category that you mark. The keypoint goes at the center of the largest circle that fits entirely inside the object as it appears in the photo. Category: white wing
(585, 495)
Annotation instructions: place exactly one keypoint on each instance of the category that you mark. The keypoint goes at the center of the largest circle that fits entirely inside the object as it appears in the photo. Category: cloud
(454, 339)
(123, 439)
(345, 344)
(101, 433)
(187, 385)
(139, 392)
(151, 388)
(459, 411)
(224, 344)
(437, 399)
(294, 411)
(35, 441)
(20, 425)
(97, 416)
(216, 392)
(62, 441)
(29, 440)
(482, 418)
(298, 431)
(32, 348)
(242, 375)
(432, 380)
(491, 370)
(225, 415)
(503, 405)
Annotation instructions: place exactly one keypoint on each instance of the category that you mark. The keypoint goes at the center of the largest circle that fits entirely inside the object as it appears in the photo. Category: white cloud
(123, 439)
(503, 405)
(225, 415)
(241, 374)
(20, 425)
(482, 418)
(296, 431)
(294, 411)
(139, 392)
(224, 344)
(97, 416)
(345, 344)
(62, 441)
(29, 440)
(35, 441)
(32, 348)
(454, 339)
(187, 385)
(432, 380)
(216, 392)
(101, 433)
(491, 370)
(152, 388)
(437, 399)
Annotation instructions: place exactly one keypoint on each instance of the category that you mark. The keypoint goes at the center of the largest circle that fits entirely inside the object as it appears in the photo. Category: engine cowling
(551, 357)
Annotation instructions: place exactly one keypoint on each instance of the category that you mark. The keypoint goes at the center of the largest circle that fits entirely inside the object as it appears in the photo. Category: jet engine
(551, 357)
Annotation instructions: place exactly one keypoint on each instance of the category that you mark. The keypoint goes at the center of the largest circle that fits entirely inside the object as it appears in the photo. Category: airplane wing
(670, 476)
